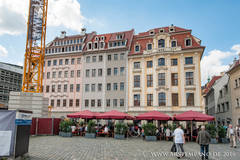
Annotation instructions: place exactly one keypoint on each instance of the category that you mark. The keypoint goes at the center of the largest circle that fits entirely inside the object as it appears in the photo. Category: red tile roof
(210, 84)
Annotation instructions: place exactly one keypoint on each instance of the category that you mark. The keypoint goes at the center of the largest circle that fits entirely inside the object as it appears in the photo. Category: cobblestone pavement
(103, 148)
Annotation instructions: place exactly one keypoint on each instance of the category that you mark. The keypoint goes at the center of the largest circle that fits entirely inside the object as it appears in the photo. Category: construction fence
(45, 126)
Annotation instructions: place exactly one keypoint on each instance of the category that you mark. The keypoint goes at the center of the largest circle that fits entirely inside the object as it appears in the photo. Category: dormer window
(89, 45)
(96, 38)
(137, 48)
(188, 42)
(149, 46)
(171, 28)
(102, 38)
(114, 44)
(161, 30)
(151, 32)
(102, 45)
(95, 45)
(110, 44)
(123, 43)
(161, 43)
(119, 36)
(174, 43)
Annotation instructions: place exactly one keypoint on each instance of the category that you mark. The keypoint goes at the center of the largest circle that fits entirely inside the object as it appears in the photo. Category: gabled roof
(210, 84)
(235, 65)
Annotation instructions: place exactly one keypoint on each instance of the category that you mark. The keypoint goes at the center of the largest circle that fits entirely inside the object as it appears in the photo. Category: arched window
(161, 43)
(174, 43)
(161, 99)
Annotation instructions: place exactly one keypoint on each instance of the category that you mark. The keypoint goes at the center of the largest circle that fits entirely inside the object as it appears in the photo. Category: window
(121, 102)
(115, 86)
(189, 78)
(53, 88)
(121, 86)
(64, 103)
(149, 46)
(78, 88)
(122, 56)
(65, 74)
(108, 86)
(190, 99)
(108, 102)
(149, 81)
(93, 87)
(58, 102)
(149, 99)
(47, 89)
(48, 75)
(149, 64)
(99, 72)
(238, 103)
(100, 58)
(227, 104)
(86, 102)
(174, 99)
(101, 44)
(188, 60)
(59, 88)
(49, 63)
(93, 103)
(109, 58)
(86, 87)
(236, 83)
(87, 73)
(188, 42)
(136, 99)
(174, 62)
(59, 74)
(137, 48)
(162, 99)
(114, 102)
(77, 102)
(99, 87)
(161, 79)
(161, 43)
(115, 57)
(60, 61)
(54, 62)
(136, 65)
(115, 71)
(136, 81)
(94, 58)
(70, 103)
(109, 71)
(89, 45)
(95, 45)
(93, 72)
(78, 73)
(66, 61)
(65, 88)
(71, 87)
(99, 103)
(53, 74)
(78, 60)
(174, 79)
(161, 62)
(88, 59)
(72, 74)
(72, 60)
(174, 43)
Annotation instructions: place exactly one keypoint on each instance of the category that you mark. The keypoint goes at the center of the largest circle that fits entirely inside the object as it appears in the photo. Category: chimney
(83, 31)
(63, 34)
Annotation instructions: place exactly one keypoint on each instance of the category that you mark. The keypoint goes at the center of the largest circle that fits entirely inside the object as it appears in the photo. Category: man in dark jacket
(203, 140)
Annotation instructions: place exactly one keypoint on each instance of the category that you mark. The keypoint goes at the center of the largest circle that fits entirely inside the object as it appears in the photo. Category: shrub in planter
(120, 130)
(91, 130)
(222, 134)
(65, 129)
(149, 132)
(212, 131)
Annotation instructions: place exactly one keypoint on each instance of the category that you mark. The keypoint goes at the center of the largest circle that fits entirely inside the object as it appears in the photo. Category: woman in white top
(168, 133)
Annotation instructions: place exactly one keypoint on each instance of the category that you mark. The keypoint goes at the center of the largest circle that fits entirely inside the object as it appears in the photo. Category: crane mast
(35, 46)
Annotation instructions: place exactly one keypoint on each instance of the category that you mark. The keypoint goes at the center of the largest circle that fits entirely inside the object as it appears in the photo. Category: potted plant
(91, 130)
(65, 129)
(212, 131)
(222, 135)
(149, 132)
(120, 130)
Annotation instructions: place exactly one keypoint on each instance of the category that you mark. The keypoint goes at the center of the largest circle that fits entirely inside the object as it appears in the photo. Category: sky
(215, 22)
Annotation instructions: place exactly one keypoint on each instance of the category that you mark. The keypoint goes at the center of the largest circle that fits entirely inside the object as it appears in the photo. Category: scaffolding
(35, 46)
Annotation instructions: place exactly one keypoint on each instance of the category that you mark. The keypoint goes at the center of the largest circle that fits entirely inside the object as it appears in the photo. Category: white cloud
(3, 51)
(213, 63)
(14, 13)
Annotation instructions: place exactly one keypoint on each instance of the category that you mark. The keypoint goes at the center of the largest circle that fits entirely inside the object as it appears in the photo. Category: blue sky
(215, 22)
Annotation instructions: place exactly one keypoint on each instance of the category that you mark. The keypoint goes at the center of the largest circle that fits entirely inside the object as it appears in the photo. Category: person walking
(231, 134)
(179, 140)
(203, 140)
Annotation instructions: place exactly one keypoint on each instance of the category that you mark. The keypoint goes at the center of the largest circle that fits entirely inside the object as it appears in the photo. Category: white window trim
(94, 45)
(88, 46)
(174, 40)
(153, 32)
(185, 40)
(172, 27)
(96, 38)
(99, 47)
(161, 29)
(147, 46)
(135, 48)
(102, 38)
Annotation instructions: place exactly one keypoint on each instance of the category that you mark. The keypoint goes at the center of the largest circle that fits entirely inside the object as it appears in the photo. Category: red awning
(86, 114)
(153, 115)
(114, 114)
(193, 116)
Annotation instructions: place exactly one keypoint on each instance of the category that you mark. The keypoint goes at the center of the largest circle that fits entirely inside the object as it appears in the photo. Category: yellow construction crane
(35, 46)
